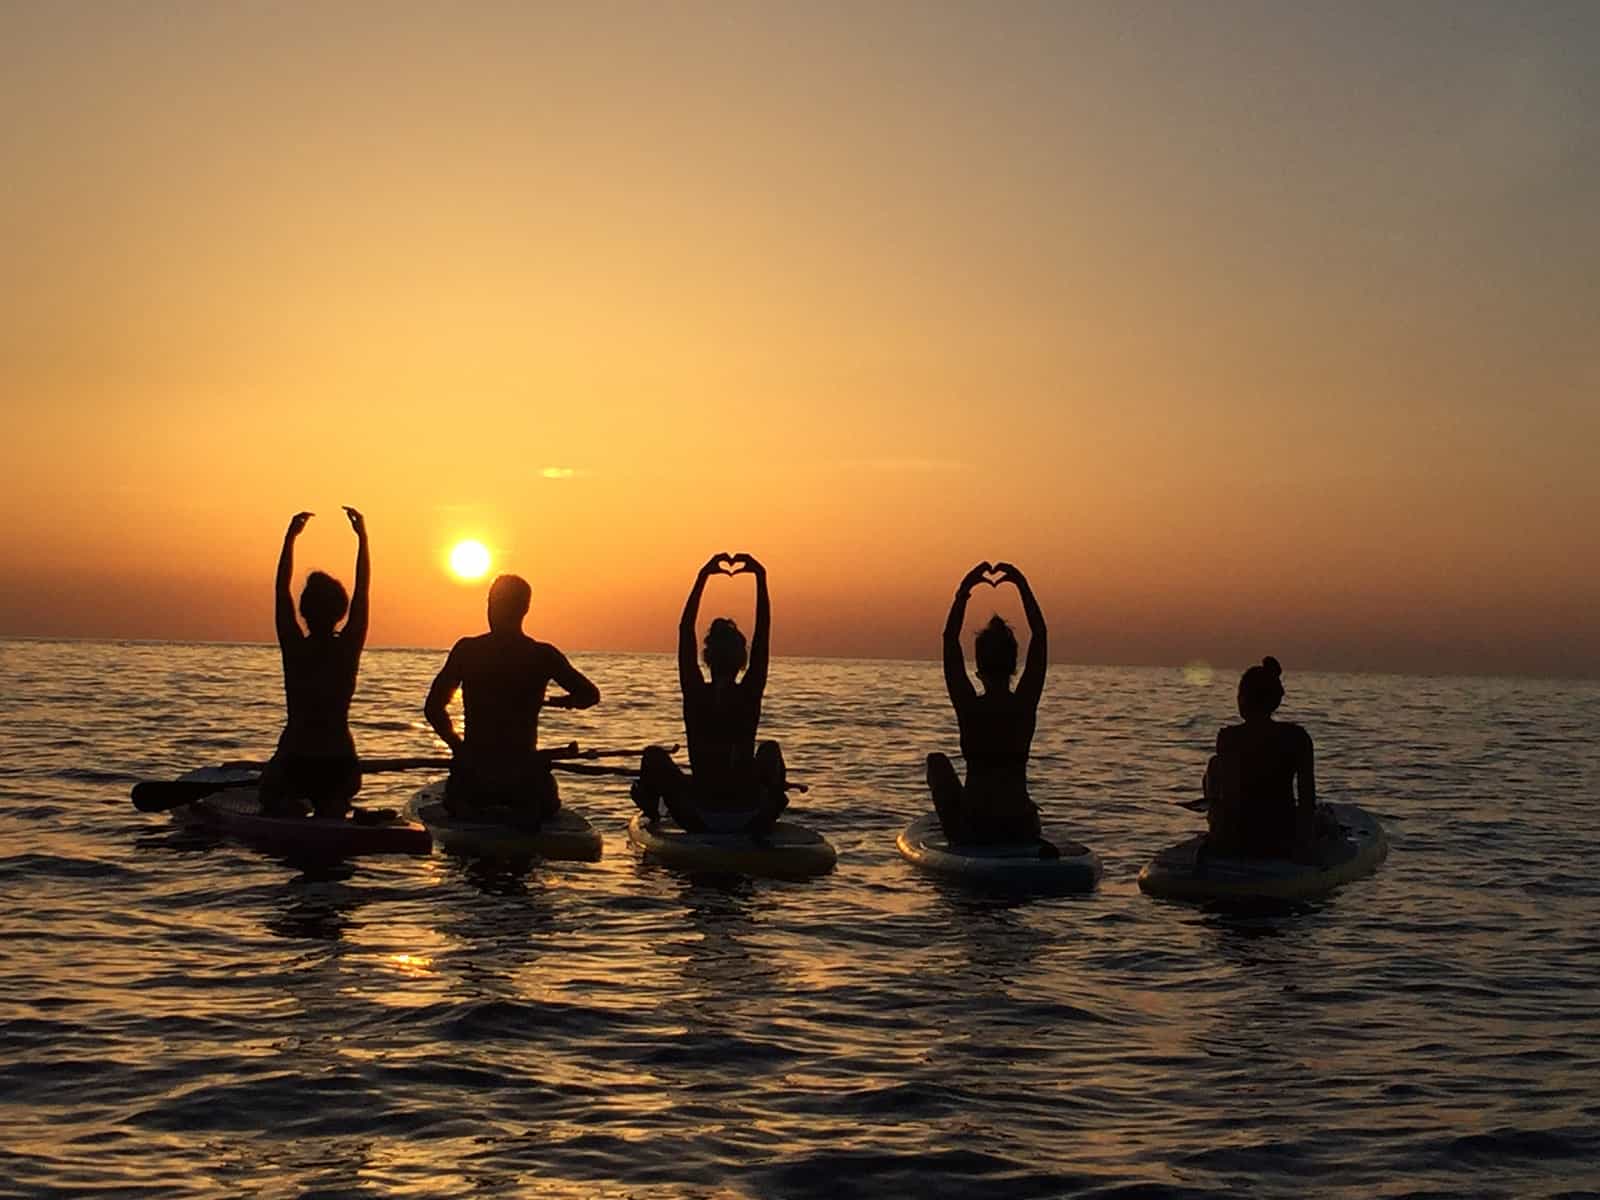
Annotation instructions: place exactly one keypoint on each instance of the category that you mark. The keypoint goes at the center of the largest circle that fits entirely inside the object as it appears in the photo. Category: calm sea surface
(188, 1017)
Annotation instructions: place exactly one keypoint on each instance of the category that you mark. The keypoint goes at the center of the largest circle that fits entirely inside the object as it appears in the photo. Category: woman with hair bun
(1262, 783)
(993, 806)
(734, 784)
(315, 765)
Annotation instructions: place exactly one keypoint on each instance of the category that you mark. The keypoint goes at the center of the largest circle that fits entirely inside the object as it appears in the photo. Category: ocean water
(183, 1016)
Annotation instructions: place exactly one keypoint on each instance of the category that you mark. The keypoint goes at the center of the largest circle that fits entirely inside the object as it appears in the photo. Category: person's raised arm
(355, 629)
(580, 689)
(1305, 768)
(956, 680)
(1031, 684)
(283, 602)
(761, 639)
(688, 660)
(437, 707)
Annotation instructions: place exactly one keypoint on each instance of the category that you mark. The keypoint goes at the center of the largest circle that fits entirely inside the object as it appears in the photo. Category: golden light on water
(469, 560)
(1198, 672)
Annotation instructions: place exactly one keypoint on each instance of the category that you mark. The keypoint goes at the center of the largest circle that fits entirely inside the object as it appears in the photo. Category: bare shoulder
(1296, 735)
(469, 650)
(542, 656)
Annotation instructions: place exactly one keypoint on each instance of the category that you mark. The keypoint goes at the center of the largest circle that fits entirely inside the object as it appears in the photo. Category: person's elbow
(586, 697)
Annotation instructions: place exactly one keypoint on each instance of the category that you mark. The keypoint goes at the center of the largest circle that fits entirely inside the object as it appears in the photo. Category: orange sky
(1241, 329)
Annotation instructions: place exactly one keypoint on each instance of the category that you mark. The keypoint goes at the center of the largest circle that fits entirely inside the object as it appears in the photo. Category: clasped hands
(993, 574)
(732, 564)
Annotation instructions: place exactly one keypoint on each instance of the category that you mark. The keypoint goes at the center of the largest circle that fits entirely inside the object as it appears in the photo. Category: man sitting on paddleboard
(734, 785)
(315, 764)
(993, 807)
(497, 772)
(1254, 810)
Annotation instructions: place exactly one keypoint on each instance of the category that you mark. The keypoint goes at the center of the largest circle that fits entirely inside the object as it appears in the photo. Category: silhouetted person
(734, 785)
(1256, 810)
(993, 808)
(315, 764)
(497, 773)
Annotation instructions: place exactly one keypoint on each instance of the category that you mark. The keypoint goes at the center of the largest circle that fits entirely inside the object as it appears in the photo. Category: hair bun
(1274, 668)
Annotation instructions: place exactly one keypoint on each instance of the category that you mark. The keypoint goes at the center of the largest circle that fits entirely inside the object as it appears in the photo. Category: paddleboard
(1184, 872)
(237, 812)
(567, 835)
(924, 845)
(789, 851)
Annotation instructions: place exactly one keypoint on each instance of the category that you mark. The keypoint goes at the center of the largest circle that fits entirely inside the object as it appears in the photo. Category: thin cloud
(909, 466)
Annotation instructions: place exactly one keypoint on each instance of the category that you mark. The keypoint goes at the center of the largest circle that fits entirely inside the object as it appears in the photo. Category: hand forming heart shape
(994, 578)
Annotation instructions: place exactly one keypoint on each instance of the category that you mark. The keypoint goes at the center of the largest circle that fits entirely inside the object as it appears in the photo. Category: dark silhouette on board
(733, 785)
(996, 724)
(315, 763)
(1255, 809)
(497, 773)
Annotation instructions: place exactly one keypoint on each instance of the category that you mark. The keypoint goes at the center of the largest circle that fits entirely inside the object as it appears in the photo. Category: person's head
(725, 649)
(1261, 689)
(509, 597)
(996, 652)
(322, 602)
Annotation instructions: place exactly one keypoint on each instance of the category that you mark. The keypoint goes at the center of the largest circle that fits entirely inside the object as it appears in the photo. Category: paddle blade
(159, 795)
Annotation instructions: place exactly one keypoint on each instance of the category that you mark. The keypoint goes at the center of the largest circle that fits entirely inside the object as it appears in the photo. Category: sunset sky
(1242, 328)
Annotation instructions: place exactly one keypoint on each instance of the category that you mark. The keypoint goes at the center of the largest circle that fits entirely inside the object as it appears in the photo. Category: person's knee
(655, 761)
(769, 761)
(549, 797)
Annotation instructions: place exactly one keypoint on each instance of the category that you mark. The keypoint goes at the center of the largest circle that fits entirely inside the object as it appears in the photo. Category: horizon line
(1145, 666)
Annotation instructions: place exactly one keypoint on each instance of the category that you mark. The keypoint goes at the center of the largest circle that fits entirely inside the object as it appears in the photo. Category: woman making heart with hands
(996, 724)
(733, 785)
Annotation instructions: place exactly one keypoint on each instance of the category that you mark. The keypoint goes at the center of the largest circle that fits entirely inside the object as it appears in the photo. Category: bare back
(503, 682)
(319, 681)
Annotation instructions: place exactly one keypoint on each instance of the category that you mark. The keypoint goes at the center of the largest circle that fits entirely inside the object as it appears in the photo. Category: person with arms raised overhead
(1262, 782)
(996, 724)
(497, 773)
(315, 764)
(734, 784)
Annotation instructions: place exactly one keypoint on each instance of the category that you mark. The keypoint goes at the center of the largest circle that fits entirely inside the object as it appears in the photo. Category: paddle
(586, 769)
(159, 795)
(570, 750)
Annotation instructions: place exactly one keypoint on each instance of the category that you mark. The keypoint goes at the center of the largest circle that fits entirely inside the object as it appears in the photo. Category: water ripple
(183, 1016)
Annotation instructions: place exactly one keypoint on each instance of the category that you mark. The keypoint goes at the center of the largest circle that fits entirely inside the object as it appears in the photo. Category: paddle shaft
(157, 795)
(374, 765)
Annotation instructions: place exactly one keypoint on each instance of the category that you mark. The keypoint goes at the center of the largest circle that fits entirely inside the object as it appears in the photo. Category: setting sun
(469, 560)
